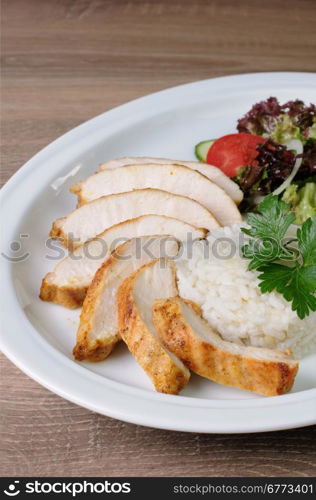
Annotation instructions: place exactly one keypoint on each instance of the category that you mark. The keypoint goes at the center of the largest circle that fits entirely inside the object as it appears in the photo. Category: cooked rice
(217, 279)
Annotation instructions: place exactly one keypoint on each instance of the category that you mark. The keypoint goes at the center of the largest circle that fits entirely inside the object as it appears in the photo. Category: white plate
(38, 337)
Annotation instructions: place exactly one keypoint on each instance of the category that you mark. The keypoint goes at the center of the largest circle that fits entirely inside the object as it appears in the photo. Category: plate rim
(306, 396)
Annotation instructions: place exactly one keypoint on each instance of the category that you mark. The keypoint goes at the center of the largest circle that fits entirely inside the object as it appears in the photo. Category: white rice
(215, 276)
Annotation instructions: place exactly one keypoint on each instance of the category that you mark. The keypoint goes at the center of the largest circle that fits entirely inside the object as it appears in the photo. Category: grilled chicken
(176, 179)
(95, 217)
(213, 173)
(98, 330)
(188, 336)
(67, 284)
(135, 300)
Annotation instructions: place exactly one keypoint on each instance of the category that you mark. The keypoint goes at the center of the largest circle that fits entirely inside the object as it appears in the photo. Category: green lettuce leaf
(285, 129)
(302, 200)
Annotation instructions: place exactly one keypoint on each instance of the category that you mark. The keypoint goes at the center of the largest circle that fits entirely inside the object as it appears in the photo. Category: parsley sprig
(287, 265)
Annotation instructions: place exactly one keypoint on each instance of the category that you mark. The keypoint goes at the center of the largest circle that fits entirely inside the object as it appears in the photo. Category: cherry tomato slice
(233, 151)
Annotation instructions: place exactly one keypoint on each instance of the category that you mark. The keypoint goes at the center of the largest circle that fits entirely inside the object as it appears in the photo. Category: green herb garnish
(287, 265)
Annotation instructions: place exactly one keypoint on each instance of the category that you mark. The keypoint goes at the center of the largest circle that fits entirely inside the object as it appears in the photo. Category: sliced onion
(296, 145)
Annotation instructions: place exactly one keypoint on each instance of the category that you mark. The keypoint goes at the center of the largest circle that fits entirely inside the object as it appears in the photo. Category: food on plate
(136, 297)
(217, 278)
(287, 266)
(235, 301)
(67, 284)
(234, 151)
(292, 120)
(94, 217)
(302, 200)
(274, 151)
(176, 179)
(201, 149)
(98, 330)
(202, 350)
(213, 173)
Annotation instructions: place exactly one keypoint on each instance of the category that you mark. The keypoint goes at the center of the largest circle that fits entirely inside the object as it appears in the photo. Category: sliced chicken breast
(191, 338)
(136, 297)
(213, 173)
(176, 179)
(67, 284)
(98, 329)
(95, 217)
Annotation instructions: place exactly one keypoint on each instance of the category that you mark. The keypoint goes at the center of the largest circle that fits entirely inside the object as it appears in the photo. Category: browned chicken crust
(67, 296)
(71, 291)
(57, 232)
(165, 374)
(98, 330)
(259, 370)
(99, 350)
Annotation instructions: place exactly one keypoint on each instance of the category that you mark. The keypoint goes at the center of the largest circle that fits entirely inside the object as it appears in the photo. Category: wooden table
(65, 61)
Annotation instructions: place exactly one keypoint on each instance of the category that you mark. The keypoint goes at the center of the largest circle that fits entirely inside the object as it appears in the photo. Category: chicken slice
(215, 174)
(192, 339)
(176, 179)
(98, 330)
(135, 299)
(95, 217)
(67, 284)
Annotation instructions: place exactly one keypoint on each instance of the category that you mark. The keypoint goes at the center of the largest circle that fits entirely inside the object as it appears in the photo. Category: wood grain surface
(64, 61)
